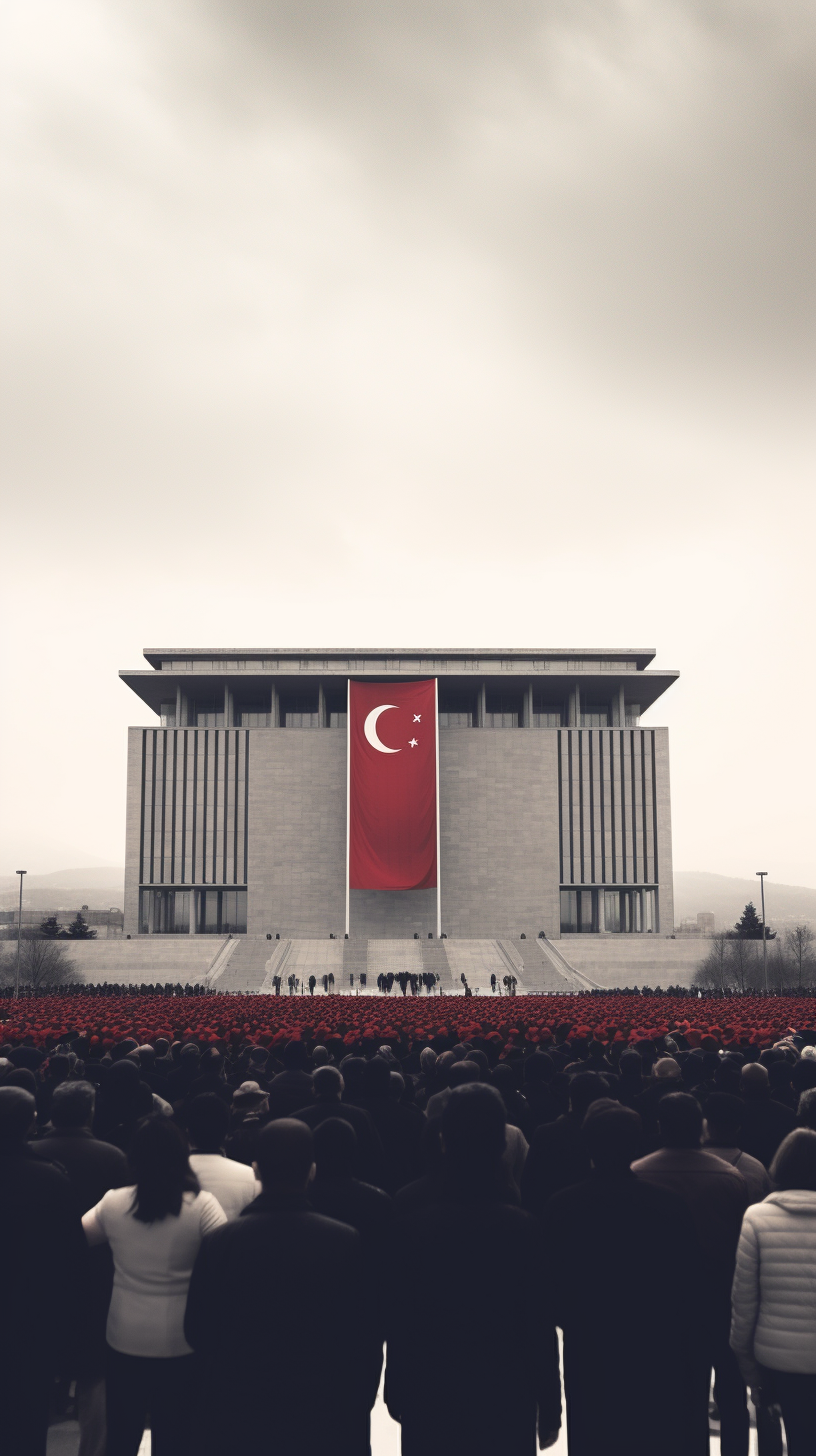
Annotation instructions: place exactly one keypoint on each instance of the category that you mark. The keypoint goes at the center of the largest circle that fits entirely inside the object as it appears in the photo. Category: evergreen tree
(79, 928)
(749, 925)
(50, 928)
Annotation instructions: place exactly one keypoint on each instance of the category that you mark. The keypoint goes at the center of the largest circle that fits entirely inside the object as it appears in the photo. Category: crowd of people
(225, 1237)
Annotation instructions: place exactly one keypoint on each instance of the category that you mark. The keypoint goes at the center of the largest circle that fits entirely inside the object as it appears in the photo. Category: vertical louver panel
(194, 798)
(607, 806)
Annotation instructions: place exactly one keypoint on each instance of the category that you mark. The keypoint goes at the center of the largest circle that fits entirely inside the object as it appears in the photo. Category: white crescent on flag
(370, 728)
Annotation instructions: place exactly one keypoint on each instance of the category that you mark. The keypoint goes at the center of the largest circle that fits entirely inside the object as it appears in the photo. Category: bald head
(666, 1067)
(17, 1109)
(754, 1080)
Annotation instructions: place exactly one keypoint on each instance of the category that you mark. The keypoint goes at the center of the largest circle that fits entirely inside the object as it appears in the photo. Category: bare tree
(42, 963)
(799, 950)
(714, 973)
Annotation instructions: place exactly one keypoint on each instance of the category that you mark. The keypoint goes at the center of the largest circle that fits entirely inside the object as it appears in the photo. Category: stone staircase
(435, 959)
(246, 967)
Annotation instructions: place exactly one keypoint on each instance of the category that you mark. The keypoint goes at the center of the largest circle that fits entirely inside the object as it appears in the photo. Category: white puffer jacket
(774, 1293)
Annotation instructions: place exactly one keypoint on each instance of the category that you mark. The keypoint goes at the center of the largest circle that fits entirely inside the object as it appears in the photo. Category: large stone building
(554, 798)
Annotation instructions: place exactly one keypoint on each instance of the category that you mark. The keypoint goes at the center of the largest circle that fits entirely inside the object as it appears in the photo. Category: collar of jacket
(278, 1201)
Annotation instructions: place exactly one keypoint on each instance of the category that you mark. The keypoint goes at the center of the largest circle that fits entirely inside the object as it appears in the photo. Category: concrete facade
(573, 797)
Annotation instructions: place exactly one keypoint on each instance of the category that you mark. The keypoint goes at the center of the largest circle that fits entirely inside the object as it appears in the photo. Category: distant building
(706, 922)
(554, 801)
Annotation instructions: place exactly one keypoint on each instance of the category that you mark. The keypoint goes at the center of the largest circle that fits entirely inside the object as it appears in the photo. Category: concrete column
(527, 719)
(229, 707)
(481, 708)
(321, 707)
(601, 910)
(274, 708)
(192, 911)
(619, 709)
(575, 707)
(178, 705)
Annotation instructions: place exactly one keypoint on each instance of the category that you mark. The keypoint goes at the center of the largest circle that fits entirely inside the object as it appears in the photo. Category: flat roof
(156, 655)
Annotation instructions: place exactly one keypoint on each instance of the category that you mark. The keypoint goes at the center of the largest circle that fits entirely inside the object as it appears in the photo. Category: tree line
(735, 961)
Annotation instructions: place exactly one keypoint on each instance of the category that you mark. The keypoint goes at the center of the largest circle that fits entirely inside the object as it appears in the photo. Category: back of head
(396, 1086)
(335, 1147)
(327, 1084)
(794, 1165)
(147, 1057)
(474, 1129)
(160, 1170)
(631, 1065)
(584, 1089)
(320, 1056)
(377, 1078)
(680, 1120)
(806, 1111)
(612, 1135)
(754, 1080)
(122, 1081)
(59, 1067)
(724, 1114)
(190, 1053)
(284, 1154)
(427, 1059)
(539, 1070)
(666, 1067)
(461, 1073)
(208, 1120)
(294, 1056)
(73, 1104)
(17, 1109)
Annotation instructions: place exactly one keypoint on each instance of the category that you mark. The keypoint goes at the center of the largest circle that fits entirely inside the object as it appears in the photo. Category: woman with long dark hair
(154, 1227)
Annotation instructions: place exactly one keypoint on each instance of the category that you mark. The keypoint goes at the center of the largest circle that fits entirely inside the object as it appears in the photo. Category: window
(251, 715)
(457, 706)
(337, 720)
(628, 912)
(221, 912)
(579, 912)
(547, 711)
(504, 707)
(335, 699)
(209, 714)
(595, 715)
(300, 710)
(164, 912)
(167, 713)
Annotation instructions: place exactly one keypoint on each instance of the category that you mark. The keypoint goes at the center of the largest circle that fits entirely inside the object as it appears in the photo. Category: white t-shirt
(233, 1184)
(152, 1267)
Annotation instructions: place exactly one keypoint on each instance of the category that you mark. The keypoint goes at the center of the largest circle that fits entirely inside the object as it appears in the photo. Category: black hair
(160, 1170)
(474, 1126)
(794, 1165)
(680, 1120)
(72, 1104)
(724, 1113)
(335, 1148)
(612, 1135)
(584, 1089)
(284, 1152)
(17, 1109)
(208, 1121)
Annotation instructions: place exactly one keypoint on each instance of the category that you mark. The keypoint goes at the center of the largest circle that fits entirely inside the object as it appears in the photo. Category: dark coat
(92, 1168)
(369, 1163)
(45, 1260)
(630, 1371)
(765, 1123)
(400, 1126)
(300, 1374)
(471, 1353)
(365, 1208)
(557, 1158)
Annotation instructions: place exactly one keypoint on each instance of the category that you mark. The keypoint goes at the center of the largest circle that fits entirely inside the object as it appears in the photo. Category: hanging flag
(392, 785)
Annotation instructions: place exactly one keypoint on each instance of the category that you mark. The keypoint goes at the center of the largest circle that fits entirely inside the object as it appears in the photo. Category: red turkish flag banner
(392, 785)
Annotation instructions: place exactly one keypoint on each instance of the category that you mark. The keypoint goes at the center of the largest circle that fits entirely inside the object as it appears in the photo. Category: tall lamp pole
(19, 935)
(762, 874)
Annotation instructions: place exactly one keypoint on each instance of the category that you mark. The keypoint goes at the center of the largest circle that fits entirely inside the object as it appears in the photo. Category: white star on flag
(417, 717)
(412, 742)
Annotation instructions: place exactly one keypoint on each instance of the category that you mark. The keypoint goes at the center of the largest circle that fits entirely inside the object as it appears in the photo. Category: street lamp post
(762, 874)
(19, 935)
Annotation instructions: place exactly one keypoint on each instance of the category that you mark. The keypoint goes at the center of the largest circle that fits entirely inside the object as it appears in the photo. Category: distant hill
(99, 888)
(786, 905)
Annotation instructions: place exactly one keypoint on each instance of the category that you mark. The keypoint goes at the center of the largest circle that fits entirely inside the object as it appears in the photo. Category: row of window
(627, 912)
(501, 711)
(214, 912)
(400, 664)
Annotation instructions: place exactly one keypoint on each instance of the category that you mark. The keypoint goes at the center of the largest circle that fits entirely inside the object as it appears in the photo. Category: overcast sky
(411, 324)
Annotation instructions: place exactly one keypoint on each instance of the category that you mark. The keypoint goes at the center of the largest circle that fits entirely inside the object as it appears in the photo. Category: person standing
(154, 1228)
(303, 1382)
(773, 1326)
(44, 1251)
(92, 1167)
(232, 1183)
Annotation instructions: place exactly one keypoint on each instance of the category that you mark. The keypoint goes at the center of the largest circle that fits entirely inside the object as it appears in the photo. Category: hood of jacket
(794, 1200)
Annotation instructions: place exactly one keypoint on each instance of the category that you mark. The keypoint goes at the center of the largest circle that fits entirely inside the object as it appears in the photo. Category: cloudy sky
(410, 324)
